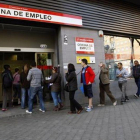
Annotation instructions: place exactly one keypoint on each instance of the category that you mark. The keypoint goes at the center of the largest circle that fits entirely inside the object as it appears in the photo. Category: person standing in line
(25, 86)
(16, 85)
(71, 78)
(7, 80)
(55, 82)
(122, 75)
(136, 75)
(87, 78)
(35, 77)
(104, 86)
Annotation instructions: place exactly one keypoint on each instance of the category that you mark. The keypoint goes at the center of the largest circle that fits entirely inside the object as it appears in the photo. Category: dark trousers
(17, 91)
(103, 89)
(137, 81)
(73, 103)
(7, 96)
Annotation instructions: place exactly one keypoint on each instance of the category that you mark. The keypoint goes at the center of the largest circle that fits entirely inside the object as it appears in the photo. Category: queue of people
(29, 83)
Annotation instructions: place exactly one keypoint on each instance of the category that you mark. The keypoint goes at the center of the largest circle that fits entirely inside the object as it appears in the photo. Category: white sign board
(84, 45)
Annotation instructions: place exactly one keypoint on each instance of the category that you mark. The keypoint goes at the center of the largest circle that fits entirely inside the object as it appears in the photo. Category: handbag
(66, 88)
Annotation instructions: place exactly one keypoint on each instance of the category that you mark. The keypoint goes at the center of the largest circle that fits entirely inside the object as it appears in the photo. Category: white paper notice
(49, 62)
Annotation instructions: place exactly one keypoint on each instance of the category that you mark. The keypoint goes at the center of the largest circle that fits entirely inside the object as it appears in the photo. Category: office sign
(16, 12)
(91, 60)
(84, 45)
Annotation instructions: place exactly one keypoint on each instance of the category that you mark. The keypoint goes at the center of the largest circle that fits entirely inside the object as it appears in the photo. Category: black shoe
(126, 99)
(123, 101)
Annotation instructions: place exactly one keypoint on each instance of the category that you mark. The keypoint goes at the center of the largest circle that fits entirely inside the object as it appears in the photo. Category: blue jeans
(23, 96)
(39, 92)
(56, 98)
(137, 81)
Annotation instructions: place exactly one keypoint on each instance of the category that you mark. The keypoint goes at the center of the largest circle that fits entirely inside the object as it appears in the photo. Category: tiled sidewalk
(121, 122)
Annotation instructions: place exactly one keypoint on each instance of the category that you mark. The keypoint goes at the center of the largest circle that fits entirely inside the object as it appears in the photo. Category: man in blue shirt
(122, 75)
(83, 75)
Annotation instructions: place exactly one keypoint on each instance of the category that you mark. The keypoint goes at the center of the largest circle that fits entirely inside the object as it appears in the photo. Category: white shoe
(27, 111)
(101, 105)
(136, 95)
(115, 103)
(41, 110)
(88, 107)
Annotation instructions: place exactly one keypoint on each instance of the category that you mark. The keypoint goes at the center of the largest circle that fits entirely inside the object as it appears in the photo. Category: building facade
(61, 32)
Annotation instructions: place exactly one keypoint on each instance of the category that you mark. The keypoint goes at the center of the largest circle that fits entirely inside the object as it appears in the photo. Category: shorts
(88, 91)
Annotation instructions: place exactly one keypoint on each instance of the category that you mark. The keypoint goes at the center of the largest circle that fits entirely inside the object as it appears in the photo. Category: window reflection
(137, 50)
(117, 49)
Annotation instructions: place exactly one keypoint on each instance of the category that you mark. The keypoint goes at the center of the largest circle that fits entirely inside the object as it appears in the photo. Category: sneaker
(41, 110)
(136, 95)
(101, 105)
(89, 109)
(115, 103)
(27, 111)
(126, 99)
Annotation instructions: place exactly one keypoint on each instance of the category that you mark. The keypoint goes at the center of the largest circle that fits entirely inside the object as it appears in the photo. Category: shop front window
(117, 49)
(137, 50)
(45, 63)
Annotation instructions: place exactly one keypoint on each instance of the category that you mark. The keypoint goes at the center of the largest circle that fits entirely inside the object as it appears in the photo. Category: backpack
(7, 80)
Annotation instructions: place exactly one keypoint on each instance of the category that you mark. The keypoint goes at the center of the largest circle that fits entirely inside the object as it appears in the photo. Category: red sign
(45, 67)
(84, 45)
(16, 12)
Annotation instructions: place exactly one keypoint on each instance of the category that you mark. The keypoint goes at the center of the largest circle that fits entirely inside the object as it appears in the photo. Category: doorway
(19, 59)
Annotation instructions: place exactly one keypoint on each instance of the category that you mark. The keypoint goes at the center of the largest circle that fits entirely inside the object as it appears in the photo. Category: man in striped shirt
(36, 79)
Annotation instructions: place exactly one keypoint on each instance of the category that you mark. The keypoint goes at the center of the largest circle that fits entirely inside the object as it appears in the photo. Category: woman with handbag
(72, 85)
(55, 83)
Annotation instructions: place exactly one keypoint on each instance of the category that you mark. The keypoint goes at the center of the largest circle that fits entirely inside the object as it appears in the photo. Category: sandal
(79, 111)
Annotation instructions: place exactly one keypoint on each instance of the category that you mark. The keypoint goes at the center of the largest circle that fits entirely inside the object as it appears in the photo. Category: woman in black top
(71, 78)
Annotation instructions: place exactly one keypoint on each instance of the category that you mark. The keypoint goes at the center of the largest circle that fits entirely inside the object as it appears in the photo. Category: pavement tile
(105, 123)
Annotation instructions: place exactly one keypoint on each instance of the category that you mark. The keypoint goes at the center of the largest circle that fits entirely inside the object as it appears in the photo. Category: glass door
(44, 62)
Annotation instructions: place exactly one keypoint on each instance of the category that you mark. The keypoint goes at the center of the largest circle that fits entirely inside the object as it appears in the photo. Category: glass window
(29, 56)
(13, 56)
(45, 63)
(1, 56)
(117, 49)
(137, 50)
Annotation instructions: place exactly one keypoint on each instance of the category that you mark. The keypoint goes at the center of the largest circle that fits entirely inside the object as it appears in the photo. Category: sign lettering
(84, 45)
(16, 12)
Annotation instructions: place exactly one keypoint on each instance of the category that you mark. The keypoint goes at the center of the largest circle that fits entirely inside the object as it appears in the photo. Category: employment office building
(58, 32)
